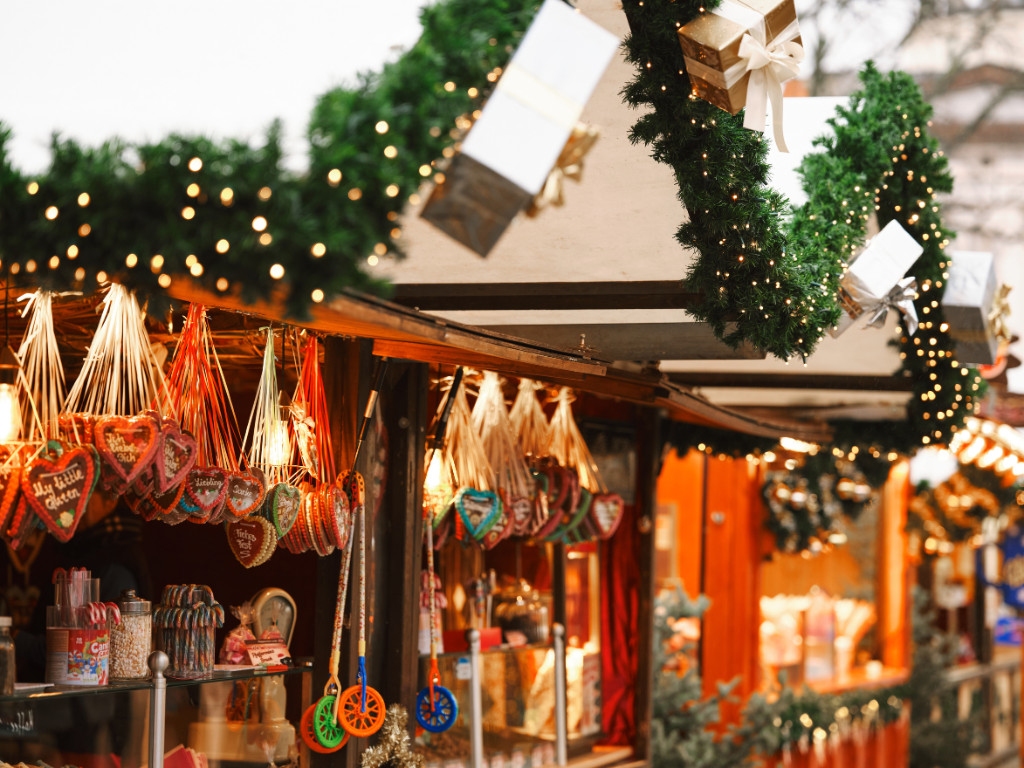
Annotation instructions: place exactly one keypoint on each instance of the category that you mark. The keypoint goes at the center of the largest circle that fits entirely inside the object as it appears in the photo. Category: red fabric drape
(620, 578)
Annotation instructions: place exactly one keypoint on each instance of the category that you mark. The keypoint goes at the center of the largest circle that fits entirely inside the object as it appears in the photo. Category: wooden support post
(342, 373)
(648, 466)
(404, 403)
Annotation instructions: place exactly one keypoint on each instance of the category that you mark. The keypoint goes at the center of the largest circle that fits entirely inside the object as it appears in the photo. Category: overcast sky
(222, 67)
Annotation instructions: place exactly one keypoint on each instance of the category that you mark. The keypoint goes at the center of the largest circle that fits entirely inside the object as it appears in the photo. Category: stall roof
(405, 333)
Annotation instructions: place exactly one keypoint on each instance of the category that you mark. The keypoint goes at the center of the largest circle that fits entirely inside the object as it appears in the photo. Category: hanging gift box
(874, 282)
(522, 130)
(975, 308)
(739, 54)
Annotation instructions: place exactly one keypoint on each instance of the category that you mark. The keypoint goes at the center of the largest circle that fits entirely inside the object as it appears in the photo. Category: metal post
(561, 725)
(158, 662)
(476, 704)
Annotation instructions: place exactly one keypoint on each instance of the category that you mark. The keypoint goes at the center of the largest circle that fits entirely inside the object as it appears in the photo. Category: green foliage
(679, 726)
(780, 298)
(137, 192)
(682, 437)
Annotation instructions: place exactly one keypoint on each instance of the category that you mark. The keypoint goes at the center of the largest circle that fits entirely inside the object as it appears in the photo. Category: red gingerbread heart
(606, 514)
(207, 487)
(10, 482)
(128, 445)
(252, 540)
(58, 488)
(176, 456)
(245, 492)
(21, 524)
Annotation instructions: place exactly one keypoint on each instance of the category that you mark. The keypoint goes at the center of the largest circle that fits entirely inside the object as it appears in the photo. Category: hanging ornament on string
(513, 480)
(528, 420)
(44, 372)
(215, 488)
(271, 447)
(439, 488)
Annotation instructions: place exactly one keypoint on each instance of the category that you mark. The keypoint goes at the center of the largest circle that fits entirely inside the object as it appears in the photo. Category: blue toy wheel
(446, 709)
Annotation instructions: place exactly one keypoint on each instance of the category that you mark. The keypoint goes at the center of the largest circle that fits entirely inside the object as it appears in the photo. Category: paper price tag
(266, 652)
(462, 669)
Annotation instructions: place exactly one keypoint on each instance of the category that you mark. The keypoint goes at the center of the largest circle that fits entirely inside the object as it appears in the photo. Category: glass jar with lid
(131, 641)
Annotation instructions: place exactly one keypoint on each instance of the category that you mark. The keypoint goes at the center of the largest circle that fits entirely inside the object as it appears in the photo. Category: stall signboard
(1012, 572)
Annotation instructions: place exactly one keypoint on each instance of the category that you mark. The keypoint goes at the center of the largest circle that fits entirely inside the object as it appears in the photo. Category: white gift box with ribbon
(967, 304)
(874, 282)
(540, 96)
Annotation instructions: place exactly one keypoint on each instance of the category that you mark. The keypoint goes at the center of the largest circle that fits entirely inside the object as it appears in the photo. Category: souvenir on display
(513, 480)
(975, 308)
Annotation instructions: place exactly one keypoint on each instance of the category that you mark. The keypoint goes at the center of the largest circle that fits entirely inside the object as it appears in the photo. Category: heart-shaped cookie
(252, 540)
(245, 492)
(572, 520)
(10, 482)
(207, 487)
(478, 511)
(22, 524)
(284, 506)
(128, 445)
(336, 514)
(167, 502)
(520, 510)
(59, 487)
(176, 456)
(606, 513)
(499, 531)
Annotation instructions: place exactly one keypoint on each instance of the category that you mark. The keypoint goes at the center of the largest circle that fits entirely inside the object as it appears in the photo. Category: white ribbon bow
(769, 67)
(900, 297)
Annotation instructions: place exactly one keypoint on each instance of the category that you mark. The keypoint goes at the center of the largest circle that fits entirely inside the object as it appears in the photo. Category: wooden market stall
(357, 333)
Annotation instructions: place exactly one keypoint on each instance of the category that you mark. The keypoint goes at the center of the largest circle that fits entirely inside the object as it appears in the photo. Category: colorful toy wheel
(353, 718)
(444, 712)
(307, 728)
(328, 732)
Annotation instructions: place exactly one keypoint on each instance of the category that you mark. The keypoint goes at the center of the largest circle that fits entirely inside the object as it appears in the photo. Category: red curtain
(619, 602)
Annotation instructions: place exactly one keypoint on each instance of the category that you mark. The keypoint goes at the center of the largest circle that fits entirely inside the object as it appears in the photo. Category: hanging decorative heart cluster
(502, 475)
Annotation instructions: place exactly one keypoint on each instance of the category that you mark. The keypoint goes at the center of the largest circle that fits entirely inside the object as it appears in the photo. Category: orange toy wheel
(307, 728)
(351, 715)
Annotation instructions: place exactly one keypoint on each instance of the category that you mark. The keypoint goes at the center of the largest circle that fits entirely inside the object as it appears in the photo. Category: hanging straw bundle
(311, 426)
(121, 375)
(464, 457)
(44, 373)
(271, 447)
(200, 394)
(567, 446)
(491, 421)
(528, 420)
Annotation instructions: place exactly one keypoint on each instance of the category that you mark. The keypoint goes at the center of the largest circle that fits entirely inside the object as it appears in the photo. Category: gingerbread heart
(284, 506)
(144, 484)
(572, 520)
(127, 445)
(252, 540)
(606, 513)
(176, 456)
(167, 502)
(520, 510)
(22, 524)
(499, 531)
(10, 482)
(58, 488)
(207, 487)
(478, 510)
(245, 492)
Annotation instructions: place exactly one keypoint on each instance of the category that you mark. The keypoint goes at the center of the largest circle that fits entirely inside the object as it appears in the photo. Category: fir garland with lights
(229, 214)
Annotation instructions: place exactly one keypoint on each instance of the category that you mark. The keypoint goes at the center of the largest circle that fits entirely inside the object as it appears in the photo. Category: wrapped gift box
(523, 128)
(711, 45)
(874, 272)
(967, 302)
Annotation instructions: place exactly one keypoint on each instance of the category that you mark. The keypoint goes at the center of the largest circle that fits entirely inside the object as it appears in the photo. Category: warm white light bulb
(10, 413)
(434, 471)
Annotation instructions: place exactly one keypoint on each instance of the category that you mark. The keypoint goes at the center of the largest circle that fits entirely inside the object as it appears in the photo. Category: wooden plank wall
(733, 529)
(681, 487)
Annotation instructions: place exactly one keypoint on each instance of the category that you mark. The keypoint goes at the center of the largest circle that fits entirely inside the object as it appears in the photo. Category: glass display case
(244, 717)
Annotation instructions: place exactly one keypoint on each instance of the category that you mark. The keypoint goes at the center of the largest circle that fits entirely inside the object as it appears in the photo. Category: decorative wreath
(772, 279)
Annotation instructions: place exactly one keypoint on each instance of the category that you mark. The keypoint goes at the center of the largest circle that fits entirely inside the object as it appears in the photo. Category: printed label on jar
(77, 656)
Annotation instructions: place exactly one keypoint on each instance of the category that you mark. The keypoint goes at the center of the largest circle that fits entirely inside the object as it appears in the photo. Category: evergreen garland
(371, 147)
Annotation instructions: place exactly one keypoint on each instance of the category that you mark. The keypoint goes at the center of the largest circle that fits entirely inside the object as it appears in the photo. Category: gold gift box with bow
(712, 42)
